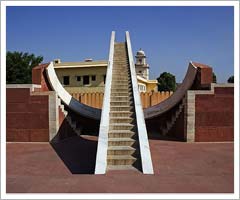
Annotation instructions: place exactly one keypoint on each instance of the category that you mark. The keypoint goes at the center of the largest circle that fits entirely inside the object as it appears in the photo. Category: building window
(65, 80)
(94, 78)
(142, 88)
(78, 78)
(85, 80)
(104, 78)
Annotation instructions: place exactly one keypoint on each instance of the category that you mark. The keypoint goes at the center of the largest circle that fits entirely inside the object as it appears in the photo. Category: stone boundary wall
(27, 114)
(95, 99)
(149, 99)
(210, 114)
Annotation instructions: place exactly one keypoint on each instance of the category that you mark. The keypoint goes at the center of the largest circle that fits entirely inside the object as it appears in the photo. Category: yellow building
(89, 75)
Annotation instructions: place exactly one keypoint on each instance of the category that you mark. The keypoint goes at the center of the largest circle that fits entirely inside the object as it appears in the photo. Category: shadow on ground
(78, 154)
(158, 136)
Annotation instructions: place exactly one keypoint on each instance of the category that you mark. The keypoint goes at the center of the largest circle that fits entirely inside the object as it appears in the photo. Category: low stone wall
(95, 99)
(214, 115)
(91, 99)
(27, 117)
(85, 89)
(210, 114)
(153, 98)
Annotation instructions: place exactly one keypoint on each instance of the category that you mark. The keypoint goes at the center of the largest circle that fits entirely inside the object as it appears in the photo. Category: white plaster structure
(176, 97)
(141, 126)
(101, 158)
(72, 103)
(142, 68)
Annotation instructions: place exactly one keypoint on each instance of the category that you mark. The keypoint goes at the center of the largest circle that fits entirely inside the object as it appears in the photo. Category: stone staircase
(123, 150)
(169, 124)
(69, 118)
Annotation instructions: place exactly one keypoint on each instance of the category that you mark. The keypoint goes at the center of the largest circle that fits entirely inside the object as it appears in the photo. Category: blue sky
(170, 36)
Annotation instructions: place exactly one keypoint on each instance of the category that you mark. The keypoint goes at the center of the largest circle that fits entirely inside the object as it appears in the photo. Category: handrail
(72, 103)
(101, 158)
(141, 126)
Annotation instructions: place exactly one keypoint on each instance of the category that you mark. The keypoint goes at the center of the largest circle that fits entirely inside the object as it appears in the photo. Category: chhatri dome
(140, 53)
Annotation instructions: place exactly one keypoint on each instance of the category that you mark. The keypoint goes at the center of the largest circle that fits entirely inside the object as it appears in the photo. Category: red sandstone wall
(27, 116)
(214, 119)
(39, 77)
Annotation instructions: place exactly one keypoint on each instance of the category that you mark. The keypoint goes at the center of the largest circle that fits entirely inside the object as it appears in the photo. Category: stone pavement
(67, 167)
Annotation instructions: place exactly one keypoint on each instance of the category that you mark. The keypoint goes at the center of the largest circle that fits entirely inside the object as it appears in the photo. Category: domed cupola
(141, 53)
(141, 65)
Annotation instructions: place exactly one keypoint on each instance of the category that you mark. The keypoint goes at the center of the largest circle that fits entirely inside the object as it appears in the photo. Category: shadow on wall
(77, 153)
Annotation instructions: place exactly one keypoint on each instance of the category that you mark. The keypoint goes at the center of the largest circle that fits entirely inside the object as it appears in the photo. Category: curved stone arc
(176, 97)
(101, 157)
(146, 159)
(71, 102)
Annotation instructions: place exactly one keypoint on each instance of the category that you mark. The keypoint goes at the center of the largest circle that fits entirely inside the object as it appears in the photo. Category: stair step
(121, 89)
(121, 93)
(121, 108)
(117, 66)
(121, 150)
(121, 167)
(121, 141)
(122, 78)
(122, 120)
(120, 65)
(121, 71)
(121, 81)
(121, 114)
(121, 103)
(120, 84)
(121, 126)
(121, 98)
(121, 133)
(120, 68)
(115, 86)
(120, 160)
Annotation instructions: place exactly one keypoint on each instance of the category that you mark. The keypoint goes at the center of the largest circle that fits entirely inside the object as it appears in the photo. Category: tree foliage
(214, 78)
(230, 79)
(19, 66)
(166, 82)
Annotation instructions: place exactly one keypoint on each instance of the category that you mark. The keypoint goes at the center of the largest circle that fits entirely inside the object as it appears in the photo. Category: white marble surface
(101, 158)
(73, 104)
(142, 131)
(175, 98)
(31, 86)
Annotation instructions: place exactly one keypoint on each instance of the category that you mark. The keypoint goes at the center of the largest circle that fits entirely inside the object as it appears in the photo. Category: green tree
(166, 82)
(230, 79)
(19, 66)
(214, 78)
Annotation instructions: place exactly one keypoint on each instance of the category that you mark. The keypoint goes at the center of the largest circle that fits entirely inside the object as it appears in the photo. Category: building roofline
(145, 80)
(101, 63)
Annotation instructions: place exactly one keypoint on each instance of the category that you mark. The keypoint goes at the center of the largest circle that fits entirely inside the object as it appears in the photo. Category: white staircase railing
(101, 158)
(141, 126)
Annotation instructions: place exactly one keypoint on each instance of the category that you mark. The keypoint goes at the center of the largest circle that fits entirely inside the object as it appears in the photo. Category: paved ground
(65, 167)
